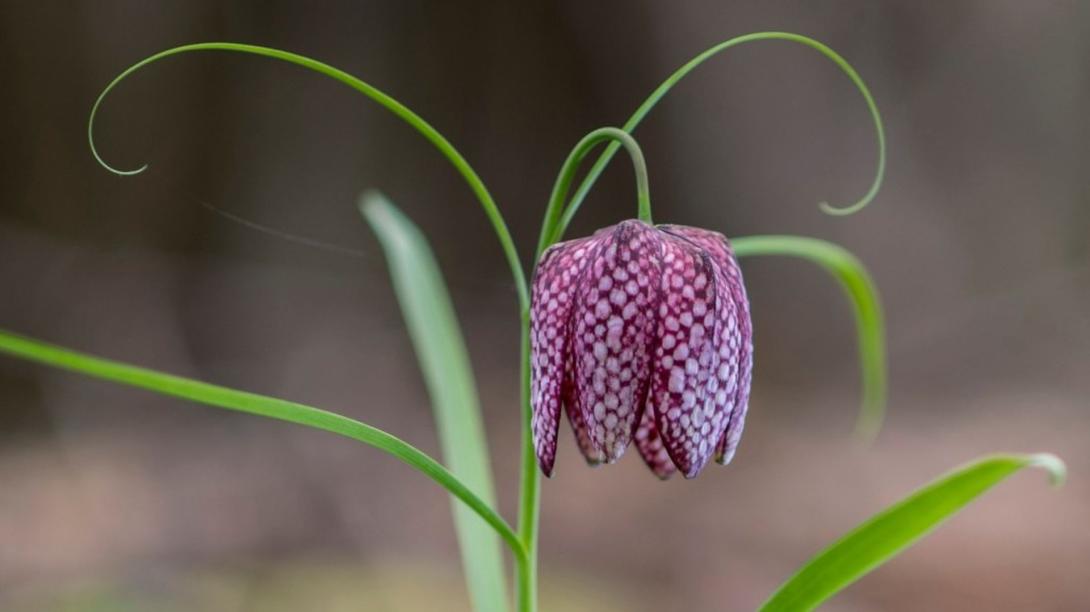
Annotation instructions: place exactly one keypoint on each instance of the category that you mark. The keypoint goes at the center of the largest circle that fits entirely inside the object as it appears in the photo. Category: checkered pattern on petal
(591, 453)
(685, 355)
(641, 333)
(612, 331)
(649, 444)
(552, 297)
(730, 274)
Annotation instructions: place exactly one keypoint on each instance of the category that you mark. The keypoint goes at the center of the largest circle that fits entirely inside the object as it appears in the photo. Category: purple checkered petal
(552, 297)
(649, 443)
(593, 455)
(729, 443)
(613, 326)
(685, 356)
(730, 274)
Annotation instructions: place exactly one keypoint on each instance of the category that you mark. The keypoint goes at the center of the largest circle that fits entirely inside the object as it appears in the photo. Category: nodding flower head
(641, 333)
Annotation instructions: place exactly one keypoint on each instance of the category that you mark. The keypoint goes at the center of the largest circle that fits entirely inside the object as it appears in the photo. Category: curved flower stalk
(641, 333)
(661, 91)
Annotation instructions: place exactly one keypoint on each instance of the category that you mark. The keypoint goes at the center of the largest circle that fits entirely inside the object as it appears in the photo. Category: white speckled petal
(730, 274)
(550, 316)
(613, 326)
(685, 357)
(594, 456)
(649, 444)
(729, 444)
(728, 342)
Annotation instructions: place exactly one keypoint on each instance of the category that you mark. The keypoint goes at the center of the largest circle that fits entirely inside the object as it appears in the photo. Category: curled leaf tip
(126, 172)
(102, 162)
(91, 136)
(844, 211)
(1056, 468)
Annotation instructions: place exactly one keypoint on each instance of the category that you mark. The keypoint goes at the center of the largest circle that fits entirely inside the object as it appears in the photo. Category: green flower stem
(551, 228)
(657, 95)
(529, 483)
(418, 123)
(271, 407)
(866, 306)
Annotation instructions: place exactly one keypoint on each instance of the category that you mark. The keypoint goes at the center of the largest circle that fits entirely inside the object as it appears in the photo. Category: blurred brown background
(112, 499)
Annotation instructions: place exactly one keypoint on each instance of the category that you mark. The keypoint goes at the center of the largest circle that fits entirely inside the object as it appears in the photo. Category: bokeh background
(113, 499)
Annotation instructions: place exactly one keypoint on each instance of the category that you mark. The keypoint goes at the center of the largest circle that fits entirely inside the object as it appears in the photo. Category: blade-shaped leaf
(867, 308)
(261, 405)
(444, 361)
(898, 527)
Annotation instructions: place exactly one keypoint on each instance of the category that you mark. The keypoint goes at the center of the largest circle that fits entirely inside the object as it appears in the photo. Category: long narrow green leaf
(866, 306)
(432, 135)
(661, 91)
(898, 527)
(261, 405)
(444, 360)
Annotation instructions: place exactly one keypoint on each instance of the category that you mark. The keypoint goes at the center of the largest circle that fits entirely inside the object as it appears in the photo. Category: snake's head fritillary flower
(641, 333)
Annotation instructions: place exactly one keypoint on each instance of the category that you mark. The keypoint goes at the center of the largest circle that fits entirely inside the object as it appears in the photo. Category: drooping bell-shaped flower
(641, 333)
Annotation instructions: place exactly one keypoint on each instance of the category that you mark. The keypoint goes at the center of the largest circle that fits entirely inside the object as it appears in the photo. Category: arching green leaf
(867, 308)
(891, 531)
(261, 405)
